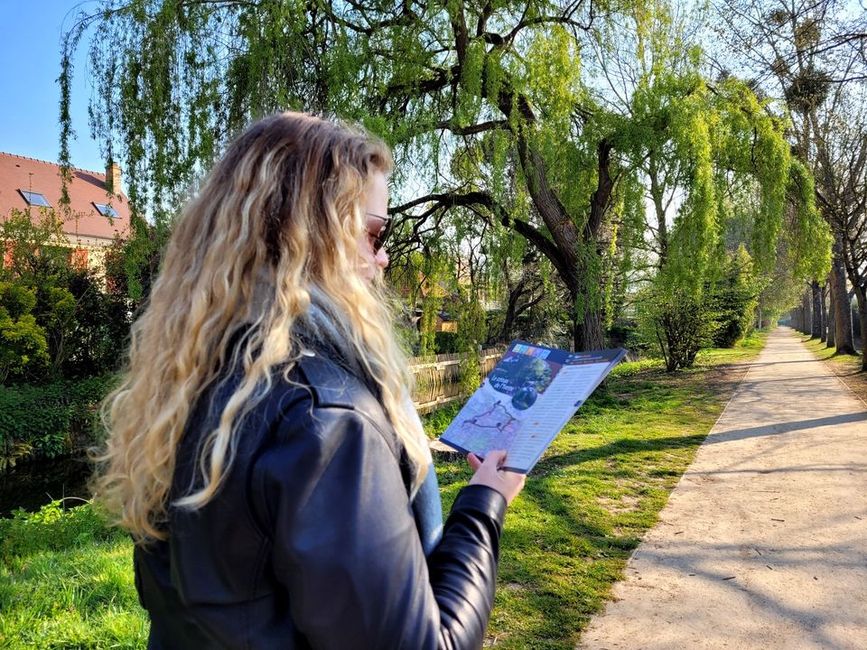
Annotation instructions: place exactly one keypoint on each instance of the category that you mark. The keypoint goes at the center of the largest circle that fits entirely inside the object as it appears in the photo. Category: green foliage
(427, 326)
(695, 228)
(66, 581)
(676, 321)
(551, 73)
(35, 247)
(52, 419)
(809, 236)
(714, 146)
(54, 527)
(447, 342)
(497, 102)
(95, 343)
(734, 297)
(55, 320)
(471, 334)
(428, 274)
(171, 92)
(132, 265)
(23, 348)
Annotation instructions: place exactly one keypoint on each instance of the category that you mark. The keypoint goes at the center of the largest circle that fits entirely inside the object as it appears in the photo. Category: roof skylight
(35, 198)
(106, 210)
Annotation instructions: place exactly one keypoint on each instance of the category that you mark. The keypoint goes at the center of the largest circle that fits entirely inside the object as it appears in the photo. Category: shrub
(678, 322)
(446, 342)
(23, 346)
(50, 420)
(95, 340)
(52, 528)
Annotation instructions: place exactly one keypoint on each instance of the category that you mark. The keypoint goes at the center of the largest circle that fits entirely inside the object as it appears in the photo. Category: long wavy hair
(279, 218)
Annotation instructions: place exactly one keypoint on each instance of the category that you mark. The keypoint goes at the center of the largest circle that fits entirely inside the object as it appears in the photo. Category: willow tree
(494, 84)
(707, 153)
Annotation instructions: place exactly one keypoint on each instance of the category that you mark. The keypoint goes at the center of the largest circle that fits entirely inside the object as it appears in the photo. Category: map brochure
(526, 400)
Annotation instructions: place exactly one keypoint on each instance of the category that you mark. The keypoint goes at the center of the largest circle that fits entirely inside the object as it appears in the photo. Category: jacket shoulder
(332, 387)
(330, 384)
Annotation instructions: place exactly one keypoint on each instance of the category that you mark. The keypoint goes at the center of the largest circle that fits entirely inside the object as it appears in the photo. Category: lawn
(66, 582)
(847, 367)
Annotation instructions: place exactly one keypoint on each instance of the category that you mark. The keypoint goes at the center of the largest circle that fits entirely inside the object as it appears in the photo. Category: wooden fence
(437, 379)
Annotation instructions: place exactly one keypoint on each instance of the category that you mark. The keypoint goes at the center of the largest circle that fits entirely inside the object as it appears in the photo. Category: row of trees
(582, 166)
(813, 55)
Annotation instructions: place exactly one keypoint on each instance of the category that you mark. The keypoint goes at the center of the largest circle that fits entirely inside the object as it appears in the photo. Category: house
(96, 214)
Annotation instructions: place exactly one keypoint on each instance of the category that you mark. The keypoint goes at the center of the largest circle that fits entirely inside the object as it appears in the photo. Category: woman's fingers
(474, 461)
(488, 473)
(496, 458)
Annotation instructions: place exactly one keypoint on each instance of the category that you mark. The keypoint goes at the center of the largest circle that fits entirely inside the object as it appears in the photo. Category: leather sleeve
(346, 549)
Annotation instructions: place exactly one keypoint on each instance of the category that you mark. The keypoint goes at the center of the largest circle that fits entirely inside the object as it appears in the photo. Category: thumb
(495, 457)
(474, 461)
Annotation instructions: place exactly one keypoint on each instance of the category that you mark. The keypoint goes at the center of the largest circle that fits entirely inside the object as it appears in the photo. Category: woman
(261, 450)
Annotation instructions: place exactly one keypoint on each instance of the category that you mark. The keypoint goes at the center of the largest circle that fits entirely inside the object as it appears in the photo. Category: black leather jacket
(311, 541)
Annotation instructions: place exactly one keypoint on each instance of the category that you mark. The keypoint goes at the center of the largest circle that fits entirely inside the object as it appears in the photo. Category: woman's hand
(489, 473)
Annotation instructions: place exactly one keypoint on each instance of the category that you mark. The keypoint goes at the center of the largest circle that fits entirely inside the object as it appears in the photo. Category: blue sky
(30, 52)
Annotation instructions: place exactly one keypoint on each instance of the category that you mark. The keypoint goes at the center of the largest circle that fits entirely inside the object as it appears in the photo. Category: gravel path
(763, 543)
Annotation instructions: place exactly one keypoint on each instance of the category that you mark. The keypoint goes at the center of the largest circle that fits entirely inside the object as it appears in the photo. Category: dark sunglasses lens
(382, 237)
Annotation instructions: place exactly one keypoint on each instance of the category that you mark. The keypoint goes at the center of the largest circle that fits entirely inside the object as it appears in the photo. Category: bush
(626, 334)
(446, 342)
(678, 322)
(53, 528)
(23, 346)
(95, 339)
(50, 420)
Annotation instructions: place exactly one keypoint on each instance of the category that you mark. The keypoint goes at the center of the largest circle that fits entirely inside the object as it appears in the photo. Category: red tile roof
(85, 189)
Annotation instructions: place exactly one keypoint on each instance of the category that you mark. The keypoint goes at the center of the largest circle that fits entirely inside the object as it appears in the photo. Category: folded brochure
(526, 400)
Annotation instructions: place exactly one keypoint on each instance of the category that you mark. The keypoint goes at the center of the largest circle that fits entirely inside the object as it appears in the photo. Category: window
(35, 198)
(106, 210)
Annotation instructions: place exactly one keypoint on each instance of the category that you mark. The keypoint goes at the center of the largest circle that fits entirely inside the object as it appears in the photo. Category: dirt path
(763, 543)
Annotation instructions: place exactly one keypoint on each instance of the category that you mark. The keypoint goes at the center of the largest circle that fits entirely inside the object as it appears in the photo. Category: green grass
(67, 582)
(846, 366)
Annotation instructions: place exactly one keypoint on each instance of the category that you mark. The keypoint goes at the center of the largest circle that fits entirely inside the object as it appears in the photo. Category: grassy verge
(66, 582)
(599, 487)
(846, 366)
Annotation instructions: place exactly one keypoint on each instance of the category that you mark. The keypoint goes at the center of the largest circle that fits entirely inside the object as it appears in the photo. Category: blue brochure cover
(526, 400)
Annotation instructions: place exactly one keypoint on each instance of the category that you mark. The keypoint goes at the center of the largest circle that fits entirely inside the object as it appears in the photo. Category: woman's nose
(381, 258)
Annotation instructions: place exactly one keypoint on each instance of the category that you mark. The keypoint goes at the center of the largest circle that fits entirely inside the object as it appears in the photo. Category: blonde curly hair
(283, 209)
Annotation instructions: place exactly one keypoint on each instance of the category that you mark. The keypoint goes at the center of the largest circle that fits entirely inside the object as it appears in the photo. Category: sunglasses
(378, 236)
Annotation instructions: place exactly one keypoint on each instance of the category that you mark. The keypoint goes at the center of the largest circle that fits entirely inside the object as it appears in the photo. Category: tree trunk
(823, 313)
(588, 331)
(589, 334)
(806, 303)
(759, 314)
(816, 328)
(832, 315)
(862, 316)
(511, 308)
(861, 297)
(843, 335)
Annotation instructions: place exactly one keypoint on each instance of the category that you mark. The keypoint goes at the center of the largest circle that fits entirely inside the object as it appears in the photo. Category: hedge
(50, 420)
